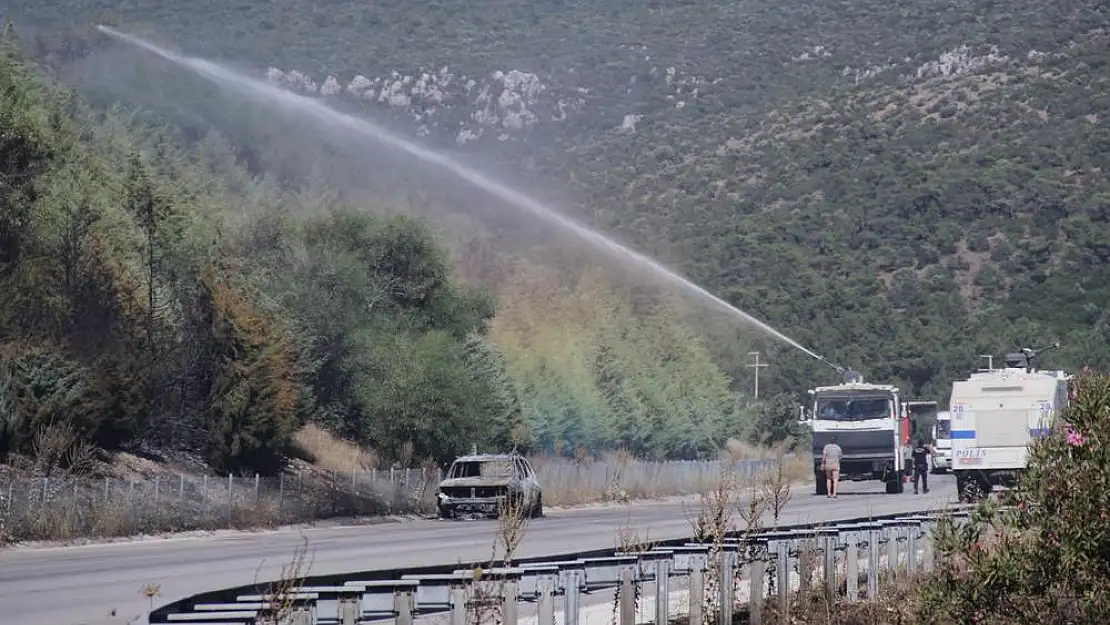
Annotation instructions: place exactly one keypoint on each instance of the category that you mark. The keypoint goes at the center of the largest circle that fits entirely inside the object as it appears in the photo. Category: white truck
(871, 424)
(995, 414)
(942, 443)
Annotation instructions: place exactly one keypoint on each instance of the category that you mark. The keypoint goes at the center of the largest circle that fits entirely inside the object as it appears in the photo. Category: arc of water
(320, 112)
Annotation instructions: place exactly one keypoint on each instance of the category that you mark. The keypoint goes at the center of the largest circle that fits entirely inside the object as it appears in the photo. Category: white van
(942, 443)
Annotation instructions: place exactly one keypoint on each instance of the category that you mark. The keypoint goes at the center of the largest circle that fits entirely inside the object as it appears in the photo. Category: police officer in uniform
(921, 452)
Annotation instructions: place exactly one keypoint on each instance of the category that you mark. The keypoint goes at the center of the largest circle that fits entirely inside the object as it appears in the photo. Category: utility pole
(755, 364)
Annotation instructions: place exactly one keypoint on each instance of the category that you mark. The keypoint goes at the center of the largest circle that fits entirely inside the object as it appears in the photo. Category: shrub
(1045, 559)
(40, 387)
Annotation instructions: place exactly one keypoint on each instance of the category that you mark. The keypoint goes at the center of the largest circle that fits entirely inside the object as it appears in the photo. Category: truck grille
(857, 443)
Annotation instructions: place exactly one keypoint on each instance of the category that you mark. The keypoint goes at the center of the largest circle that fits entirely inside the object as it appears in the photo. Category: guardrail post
(892, 550)
(928, 552)
(726, 585)
(350, 610)
(510, 595)
(873, 547)
(782, 569)
(911, 550)
(807, 554)
(755, 600)
(571, 597)
(628, 595)
(297, 616)
(851, 560)
(830, 563)
(457, 597)
(662, 591)
(545, 601)
(403, 601)
(697, 590)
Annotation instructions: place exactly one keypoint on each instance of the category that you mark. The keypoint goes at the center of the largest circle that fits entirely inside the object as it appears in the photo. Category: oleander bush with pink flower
(1041, 554)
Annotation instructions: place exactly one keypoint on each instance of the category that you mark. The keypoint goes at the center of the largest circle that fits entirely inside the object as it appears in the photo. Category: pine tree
(502, 401)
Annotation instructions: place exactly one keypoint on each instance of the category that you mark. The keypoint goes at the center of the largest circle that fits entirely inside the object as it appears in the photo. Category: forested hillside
(163, 297)
(901, 186)
(147, 300)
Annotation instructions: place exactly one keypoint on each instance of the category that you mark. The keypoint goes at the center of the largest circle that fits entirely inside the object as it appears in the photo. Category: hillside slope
(902, 186)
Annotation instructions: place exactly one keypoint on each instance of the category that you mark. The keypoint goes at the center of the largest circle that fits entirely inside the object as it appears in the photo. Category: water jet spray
(324, 114)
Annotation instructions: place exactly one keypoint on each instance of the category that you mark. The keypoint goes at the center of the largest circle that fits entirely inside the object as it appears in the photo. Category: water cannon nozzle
(832, 364)
(839, 369)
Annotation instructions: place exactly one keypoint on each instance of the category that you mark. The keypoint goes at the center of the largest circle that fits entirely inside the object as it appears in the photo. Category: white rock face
(816, 52)
(508, 104)
(274, 75)
(629, 123)
(511, 101)
(330, 86)
(362, 87)
(960, 61)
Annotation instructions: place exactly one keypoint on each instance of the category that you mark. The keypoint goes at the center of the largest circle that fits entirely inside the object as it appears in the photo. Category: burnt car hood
(471, 482)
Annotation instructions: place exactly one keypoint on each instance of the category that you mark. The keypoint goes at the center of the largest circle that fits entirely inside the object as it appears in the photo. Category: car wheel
(537, 510)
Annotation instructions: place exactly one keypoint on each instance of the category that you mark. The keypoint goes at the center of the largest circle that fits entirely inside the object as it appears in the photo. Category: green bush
(40, 388)
(1045, 557)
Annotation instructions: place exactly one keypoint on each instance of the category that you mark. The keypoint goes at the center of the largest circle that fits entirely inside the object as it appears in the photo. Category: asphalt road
(101, 584)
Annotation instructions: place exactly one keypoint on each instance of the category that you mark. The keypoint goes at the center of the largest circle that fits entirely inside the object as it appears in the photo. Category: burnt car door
(527, 480)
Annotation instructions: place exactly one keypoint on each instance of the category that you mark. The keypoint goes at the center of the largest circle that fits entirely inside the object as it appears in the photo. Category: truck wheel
(969, 489)
(822, 485)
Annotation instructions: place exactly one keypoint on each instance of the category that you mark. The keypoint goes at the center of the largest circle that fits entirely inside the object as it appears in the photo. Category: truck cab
(870, 424)
(942, 443)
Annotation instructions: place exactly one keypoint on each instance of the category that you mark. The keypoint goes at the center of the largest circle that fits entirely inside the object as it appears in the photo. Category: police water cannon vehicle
(995, 414)
(871, 424)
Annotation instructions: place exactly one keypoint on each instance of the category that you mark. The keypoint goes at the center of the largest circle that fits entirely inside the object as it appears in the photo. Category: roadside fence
(69, 507)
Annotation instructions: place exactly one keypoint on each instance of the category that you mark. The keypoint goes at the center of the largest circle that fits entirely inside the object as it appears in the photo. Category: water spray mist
(322, 113)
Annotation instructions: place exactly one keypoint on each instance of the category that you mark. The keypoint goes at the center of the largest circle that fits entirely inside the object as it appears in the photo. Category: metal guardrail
(764, 558)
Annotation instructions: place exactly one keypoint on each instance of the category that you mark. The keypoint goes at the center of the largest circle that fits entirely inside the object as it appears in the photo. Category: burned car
(482, 485)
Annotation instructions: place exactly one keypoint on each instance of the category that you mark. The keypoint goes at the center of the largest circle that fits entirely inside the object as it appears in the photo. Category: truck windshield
(852, 408)
(944, 429)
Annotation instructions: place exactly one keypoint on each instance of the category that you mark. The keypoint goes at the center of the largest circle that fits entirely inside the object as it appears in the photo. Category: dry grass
(63, 501)
(280, 600)
(332, 453)
(617, 476)
(620, 478)
(798, 467)
(894, 606)
(63, 509)
(488, 591)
